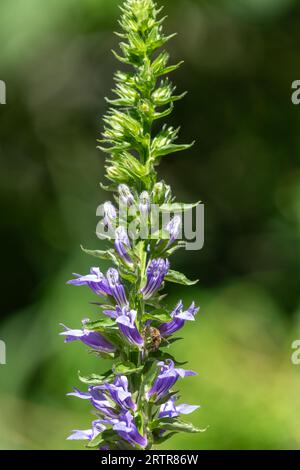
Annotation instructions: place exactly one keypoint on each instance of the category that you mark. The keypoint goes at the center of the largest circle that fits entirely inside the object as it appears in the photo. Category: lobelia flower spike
(134, 402)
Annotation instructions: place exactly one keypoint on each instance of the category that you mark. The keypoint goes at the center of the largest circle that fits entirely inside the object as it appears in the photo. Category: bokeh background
(241, 57)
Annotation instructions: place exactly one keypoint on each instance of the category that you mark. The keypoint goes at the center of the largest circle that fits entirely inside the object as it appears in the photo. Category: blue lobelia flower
(93, 339)
(166, 378)
(110, 214)
(126, 320)
(171, 410)
(98, 399)
(101, 285)
(126, 196)
(109, 397)
(116, 287)
(95, 281)
(119, 392)
(144, 204)
(179, 317)
(122, 244)
(88, 434)
(173, 228)
(125, 426)
(156, 272)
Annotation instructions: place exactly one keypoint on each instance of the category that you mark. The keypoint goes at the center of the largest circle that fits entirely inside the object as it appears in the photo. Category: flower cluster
(134, 402)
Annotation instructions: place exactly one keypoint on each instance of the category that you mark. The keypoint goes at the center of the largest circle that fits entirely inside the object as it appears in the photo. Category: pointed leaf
(179, 278)
(95, 379)
(178, 207)
(106, 254)
(175, 425)
(126, 368)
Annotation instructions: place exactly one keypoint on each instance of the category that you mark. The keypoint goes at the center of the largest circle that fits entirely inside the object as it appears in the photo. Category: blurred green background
(241, 57)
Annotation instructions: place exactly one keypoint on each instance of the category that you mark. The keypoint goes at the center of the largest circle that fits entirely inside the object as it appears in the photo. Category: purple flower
(122, 244)
(167, 377)
(101, 285)
(116, 288)
(125, 194)
(88, 434)
(93, 339)
(95, 281)
(173, 228)
(144, 204)
(127, 324)
(79, 394)
(179, 317)
(110, 214)
(119, 392)
(110, 313)
(106, 397)
(156, 272)
(171, 410)
(98, 399)
(125, 426)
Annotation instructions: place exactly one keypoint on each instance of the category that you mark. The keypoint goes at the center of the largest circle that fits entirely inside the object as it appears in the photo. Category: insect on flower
(133, 326)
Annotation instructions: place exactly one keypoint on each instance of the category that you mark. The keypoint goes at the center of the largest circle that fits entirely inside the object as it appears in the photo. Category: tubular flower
(122, 244)
(144, 204)
(173, 228)
(179, 317)
(95, 281)
(110, 214)
(93, 339)
(171, 410)
(156, 272)
(125, 426)
(103, 286)
(165, 380)
(116, 288)
(127, 324)
(119, 392)
(89, 434)
(126, 196)
(134, 400)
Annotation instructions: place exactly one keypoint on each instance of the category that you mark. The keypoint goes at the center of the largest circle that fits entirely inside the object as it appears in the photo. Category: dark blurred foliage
(241, 57)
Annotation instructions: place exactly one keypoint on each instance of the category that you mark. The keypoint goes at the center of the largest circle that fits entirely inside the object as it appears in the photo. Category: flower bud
(161, 193)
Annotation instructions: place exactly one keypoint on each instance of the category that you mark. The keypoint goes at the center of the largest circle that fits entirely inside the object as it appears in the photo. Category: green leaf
(175, 425)
(178, 207)
(150, 371)
(102, 438)
(155, 301)
(126, 368)
(171, 148)
(179, 278)
(106, 255)
(169, 341)
(165, 437)
(102, 324)
(95, 379)
(167, 398)
(96, 441)
(162, 356)
(157, 315)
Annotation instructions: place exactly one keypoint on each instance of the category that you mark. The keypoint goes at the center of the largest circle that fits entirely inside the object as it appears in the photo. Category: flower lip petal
(80, 435)
(77, 393)
(186, 409)
(185, 316)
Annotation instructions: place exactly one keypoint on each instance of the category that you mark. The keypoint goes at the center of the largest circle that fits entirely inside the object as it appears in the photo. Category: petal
(186, 409)
(78, 435)
(124, 320)
(77, 393)
(185, 316)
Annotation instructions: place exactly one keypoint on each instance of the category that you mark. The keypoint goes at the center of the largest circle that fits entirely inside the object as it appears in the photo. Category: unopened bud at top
(144, 205)
(126, 195)
(161, 193)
